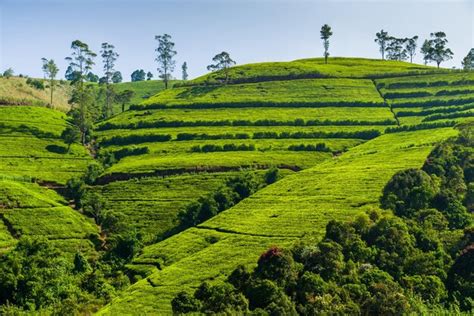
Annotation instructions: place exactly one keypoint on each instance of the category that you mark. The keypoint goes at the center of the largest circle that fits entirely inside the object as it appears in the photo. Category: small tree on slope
(50, 70)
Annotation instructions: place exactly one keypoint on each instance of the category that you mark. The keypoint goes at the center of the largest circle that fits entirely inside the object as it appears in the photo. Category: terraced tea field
(26, 209)
(430, 98)
(299, 204)
(335, 132)
(31, 145)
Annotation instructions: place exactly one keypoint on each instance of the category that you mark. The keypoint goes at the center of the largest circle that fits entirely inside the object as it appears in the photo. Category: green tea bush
(448, 116)
(318, 147)
(227, 147)
(409, 128)
(133, 139)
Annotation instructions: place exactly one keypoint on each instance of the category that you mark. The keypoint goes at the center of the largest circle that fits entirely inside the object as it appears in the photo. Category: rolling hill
(351, 105)
(336, 132)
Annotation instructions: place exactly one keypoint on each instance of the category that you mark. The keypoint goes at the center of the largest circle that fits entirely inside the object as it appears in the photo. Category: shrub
(35, 83)
(411, 128)
(134, 139)
(318, 147)
(227, 147)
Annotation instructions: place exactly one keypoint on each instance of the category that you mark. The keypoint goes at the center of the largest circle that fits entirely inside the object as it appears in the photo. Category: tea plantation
(268, 110)
(190, 182)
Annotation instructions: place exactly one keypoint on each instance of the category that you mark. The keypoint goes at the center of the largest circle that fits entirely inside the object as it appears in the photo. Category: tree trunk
(51, 88)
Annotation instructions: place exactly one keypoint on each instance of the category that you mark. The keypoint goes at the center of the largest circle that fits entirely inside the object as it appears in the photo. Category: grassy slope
(20, 202)
(339, 188)
(16, 89)
(31, 145)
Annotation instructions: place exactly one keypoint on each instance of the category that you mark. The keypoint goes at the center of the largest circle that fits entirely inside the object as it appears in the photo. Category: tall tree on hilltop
(410, 47)
(149, 75)
(80, 63)
(382, 39)
(326, 33)
(117, 77)
(184, 69)
(426, 51)
(396, 50)
(50, 70)
(439, 51)
(109, 56)
(468, 61)
(81, 60)
(222, 62)
(138, 75)
(165, 54)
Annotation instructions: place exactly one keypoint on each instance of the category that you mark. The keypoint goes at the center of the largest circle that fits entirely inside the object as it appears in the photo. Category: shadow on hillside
(196, 91)
(56, 149)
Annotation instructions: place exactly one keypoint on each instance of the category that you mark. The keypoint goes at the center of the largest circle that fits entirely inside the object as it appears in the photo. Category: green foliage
(408, 191)
(138, 75)
(236, 189)
(35, 83)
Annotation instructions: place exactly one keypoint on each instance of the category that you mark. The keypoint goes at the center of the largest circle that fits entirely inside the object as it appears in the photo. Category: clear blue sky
(251, 31)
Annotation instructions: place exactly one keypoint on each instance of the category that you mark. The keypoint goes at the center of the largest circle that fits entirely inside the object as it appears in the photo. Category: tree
(70, 135)
(138, 75)
(117, 77)
(426, 51)
(222, 62)
(382, 38)
(149, 75)
(35, 275)
(124, 97)
(326, 33)
(80, 63)
(91, 77)
(184, 69)
(8, 73)
(50, 70)
(109, 56)
(408, 191)
(164, 58)
(436, 48)
(81, 59)
(468, 61)
(396, 49)
(410, 47)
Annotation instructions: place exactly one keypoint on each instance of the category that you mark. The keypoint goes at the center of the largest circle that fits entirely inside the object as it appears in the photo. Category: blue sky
(251, 31)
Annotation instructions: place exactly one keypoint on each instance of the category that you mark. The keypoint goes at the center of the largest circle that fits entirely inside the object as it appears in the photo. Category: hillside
(192, 181)
(16, 91)
(277, 113)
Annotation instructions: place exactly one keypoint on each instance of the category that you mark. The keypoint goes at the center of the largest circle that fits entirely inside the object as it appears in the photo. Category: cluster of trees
(416, 261)
(139, 75)
(236, 189)
(434, 49)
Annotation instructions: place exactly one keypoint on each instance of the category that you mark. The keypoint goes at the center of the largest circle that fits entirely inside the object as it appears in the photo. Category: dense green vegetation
(414, 262)
(181, 188)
